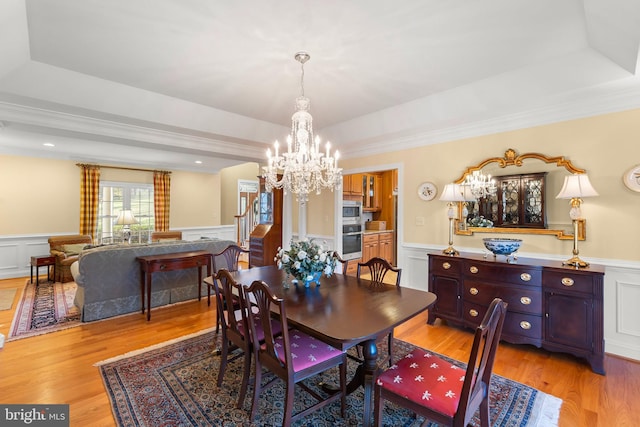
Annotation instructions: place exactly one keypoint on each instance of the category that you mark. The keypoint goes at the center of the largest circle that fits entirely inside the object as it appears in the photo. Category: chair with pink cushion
(231, 256)
(292, 356)
(235, 329)
(439, 390)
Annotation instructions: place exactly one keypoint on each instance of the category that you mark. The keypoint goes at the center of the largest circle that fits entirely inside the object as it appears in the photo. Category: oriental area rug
(47, 307)
(176, 384)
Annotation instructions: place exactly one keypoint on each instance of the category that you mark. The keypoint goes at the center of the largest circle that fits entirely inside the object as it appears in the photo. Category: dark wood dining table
(344, 311)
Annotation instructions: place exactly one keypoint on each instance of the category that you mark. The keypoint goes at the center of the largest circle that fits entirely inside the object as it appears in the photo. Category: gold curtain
(89, 193)
(161, 199)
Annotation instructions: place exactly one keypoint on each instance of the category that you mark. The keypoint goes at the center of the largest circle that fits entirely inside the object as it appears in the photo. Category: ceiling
(163, 83)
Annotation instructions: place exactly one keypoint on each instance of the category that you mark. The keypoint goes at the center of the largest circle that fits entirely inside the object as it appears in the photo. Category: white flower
(302, 255)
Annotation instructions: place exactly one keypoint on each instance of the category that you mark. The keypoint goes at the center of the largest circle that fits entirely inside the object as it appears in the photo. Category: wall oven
(352, 229)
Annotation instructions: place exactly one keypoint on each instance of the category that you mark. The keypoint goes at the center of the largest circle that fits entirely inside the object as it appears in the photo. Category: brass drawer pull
(567, 281)
(473, 291)
(525, 325)
(473, 269)
(473, 313)
(525, 277)
(446, 265)
(525, 300)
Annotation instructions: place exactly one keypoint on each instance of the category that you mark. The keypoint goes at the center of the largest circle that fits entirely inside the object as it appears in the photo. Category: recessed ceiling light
(48, 144)
(198, 162)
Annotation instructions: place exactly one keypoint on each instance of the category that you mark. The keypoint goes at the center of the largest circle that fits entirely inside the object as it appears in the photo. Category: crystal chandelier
(480, 185)
(303, 167)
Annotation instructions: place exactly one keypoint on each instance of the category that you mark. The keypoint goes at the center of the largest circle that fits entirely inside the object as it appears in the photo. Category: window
(116, 196)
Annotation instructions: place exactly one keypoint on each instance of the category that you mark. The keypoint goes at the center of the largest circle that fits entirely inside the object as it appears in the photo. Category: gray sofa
(108, 277)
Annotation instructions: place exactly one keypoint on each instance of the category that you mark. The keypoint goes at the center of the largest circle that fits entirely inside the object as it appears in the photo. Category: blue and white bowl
(502, 246)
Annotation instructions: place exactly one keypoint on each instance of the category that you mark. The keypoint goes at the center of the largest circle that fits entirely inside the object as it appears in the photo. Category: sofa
(66, 249)
(108, 277)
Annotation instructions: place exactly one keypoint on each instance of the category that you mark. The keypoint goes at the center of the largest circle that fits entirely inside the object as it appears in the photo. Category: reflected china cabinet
(518, 202)
(266, 238)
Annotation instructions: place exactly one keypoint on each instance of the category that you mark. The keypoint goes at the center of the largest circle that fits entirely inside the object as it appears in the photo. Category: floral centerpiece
(480, 221)
(306, 261)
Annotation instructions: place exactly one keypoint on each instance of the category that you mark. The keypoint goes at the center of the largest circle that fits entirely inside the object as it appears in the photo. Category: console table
(551, 306)
(170, 262)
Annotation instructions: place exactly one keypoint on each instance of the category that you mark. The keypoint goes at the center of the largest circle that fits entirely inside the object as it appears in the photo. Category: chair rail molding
(16, 250)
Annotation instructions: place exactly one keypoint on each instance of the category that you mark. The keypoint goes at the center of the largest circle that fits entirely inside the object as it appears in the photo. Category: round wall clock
(631, 178)
(427, 191)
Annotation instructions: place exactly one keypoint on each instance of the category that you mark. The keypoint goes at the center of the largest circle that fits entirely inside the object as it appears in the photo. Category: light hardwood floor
(58, 367)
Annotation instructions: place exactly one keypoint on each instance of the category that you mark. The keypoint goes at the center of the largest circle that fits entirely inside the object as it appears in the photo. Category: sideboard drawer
(568, 281)
(520, 298)
(515, 274)
(445, 266)
(524, 325)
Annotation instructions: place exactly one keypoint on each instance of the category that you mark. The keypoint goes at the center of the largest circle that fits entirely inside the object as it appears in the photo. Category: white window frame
(108, 210)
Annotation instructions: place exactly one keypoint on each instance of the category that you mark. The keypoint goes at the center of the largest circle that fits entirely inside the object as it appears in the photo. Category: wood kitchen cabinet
(378, 245)
(371, 188)
(550, 306)
(352, 185)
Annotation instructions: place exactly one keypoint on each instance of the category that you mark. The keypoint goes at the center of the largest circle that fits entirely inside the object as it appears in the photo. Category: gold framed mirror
(555, 168)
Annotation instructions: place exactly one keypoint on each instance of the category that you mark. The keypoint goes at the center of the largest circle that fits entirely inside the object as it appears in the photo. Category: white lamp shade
(125, 217)
(466, 193)
(452, 193)
(576, 186)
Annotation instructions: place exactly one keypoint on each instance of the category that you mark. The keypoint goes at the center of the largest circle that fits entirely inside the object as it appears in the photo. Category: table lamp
(126, 218)
(452, 193)
(575, 188)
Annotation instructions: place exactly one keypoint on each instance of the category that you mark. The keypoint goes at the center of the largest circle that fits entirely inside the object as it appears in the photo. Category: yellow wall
(606, 146)
(229, 178)
(43, 195)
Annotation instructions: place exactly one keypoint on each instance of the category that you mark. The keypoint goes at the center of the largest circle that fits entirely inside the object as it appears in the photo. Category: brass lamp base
(576, 262)
(451, 251)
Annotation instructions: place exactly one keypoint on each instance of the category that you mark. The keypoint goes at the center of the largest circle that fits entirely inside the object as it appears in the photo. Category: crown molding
(33, 117)
(625, 97)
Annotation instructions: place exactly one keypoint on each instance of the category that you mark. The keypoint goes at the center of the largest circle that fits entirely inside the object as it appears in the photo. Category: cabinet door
(569, 320)
(449, 302)
(386, 247)
(356, 184)
(370, 247)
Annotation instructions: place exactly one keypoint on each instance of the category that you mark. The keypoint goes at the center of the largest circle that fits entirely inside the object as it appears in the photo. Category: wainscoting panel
(16, 251)
(621, 295)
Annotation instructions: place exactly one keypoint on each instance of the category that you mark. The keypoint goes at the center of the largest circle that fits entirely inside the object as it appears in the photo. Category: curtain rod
(122, 168)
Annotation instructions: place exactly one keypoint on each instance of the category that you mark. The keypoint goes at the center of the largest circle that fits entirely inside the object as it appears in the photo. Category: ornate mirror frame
(511, 158)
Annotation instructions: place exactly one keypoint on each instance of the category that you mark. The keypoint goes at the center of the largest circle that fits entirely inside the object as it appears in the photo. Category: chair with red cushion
(439, 390)
(378, 269)
(292, 356)
(231, 256)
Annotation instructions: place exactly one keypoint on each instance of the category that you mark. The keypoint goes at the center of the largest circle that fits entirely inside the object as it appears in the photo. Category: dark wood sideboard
(550, 306)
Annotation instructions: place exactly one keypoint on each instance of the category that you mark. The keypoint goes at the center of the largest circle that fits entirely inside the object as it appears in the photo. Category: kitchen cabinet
(352, 185)
(378, 245)
(550, 306)
(371, 188)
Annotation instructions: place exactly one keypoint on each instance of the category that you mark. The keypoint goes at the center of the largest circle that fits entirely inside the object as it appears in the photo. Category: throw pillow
(73, 249)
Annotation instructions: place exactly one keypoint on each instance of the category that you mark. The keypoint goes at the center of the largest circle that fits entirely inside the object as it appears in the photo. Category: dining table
(343, 311)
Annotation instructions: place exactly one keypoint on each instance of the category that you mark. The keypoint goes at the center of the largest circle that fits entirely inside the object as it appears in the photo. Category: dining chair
(378, 269)
(344, 262)
(231, 255)
(439, 390)
(235, 333)
(293, 356)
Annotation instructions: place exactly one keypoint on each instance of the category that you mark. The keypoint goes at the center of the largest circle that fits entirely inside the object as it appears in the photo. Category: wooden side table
(38, 261)
(170, 262)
